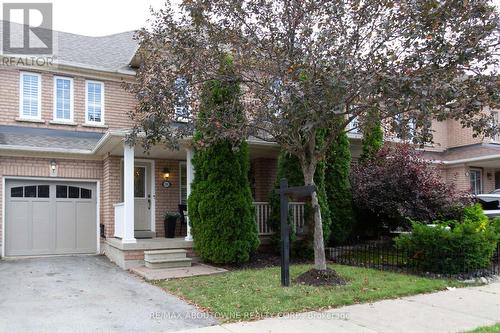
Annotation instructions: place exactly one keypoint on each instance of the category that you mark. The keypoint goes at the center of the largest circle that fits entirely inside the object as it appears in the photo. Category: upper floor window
(354, 126)
(181, 100)
(63, 99)
(30, 95)
(406, 127)
(94, 110)
(494, 114)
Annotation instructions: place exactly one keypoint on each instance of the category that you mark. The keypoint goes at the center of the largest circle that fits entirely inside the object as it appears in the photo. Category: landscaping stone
(174, 273)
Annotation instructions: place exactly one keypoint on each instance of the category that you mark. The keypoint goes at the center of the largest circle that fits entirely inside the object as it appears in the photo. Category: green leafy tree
(373, 137)
(424, 60)
(221, 208)
(338, 189)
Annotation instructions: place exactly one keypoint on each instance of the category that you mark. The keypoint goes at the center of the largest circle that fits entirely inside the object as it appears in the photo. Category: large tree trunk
(319, 246)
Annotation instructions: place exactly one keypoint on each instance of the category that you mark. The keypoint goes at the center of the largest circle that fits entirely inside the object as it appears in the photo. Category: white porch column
(128, 194)
(189, 179)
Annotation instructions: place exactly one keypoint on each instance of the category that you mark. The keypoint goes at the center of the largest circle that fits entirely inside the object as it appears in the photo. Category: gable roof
(111, 53)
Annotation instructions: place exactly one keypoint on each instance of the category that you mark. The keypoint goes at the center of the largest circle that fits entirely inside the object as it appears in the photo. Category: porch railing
(119, 219)
(263, 211)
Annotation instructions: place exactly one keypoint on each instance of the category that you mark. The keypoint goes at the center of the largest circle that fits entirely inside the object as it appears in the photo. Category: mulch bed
(315, 277)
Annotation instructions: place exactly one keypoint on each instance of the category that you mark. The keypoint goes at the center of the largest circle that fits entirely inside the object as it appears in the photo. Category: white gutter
(468, 160)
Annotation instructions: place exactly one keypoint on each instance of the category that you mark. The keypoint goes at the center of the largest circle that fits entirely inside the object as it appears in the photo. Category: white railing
(119, 219)
(263, 211)
(296, 211)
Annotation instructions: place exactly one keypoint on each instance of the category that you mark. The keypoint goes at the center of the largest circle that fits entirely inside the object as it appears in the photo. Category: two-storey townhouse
(69, 183)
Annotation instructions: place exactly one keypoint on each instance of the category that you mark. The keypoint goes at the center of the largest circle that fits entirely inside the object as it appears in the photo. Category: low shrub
(399, 185)
(451, 247)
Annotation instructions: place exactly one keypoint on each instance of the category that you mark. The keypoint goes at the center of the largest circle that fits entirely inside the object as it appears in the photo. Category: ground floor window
(475, 181)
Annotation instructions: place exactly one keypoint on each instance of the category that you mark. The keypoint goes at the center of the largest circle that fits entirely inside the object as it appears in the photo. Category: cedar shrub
(373, 137)
(338, 189)
(221, 209)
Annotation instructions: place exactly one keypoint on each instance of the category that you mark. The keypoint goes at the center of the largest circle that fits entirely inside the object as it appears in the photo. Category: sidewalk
(447, 311)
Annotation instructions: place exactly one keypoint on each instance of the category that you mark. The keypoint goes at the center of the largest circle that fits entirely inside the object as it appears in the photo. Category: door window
(183, 183)
(140, 182)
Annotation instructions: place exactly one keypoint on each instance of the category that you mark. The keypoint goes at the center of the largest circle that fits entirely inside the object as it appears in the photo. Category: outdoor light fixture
(53, 168)
(166, 176)
(166, 173)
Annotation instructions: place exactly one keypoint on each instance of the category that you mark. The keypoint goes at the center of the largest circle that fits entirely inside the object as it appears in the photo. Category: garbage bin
(170, 223)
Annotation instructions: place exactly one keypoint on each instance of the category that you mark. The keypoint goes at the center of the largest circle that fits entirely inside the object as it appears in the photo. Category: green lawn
(488, 329)
(252, 293)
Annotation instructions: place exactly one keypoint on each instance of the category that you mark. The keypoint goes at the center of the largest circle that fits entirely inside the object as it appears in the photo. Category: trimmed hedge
(451, 247)
(221, 210)
(338, 189)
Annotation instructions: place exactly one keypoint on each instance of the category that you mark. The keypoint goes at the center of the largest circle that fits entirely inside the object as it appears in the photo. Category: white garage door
(46, 217)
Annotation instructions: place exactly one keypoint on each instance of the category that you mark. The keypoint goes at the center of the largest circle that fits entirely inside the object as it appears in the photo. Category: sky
(102, 17)
(97, 17)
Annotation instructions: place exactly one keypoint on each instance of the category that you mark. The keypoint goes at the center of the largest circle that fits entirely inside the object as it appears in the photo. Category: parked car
(497, 191)
(490, 203)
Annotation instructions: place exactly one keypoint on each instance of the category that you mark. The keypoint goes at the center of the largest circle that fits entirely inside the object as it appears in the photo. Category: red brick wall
(263, 174)
(40, 167)
(167, 199)
(111, 192)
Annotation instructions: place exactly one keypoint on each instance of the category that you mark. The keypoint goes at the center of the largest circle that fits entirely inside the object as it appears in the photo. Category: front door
(142, 196)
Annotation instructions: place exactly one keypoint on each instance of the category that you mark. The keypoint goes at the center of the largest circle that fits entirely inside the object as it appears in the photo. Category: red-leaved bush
(398, 185)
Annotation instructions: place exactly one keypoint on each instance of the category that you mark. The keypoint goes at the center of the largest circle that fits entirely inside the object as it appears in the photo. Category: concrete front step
(142, 234)
(170, 263)
(164, 255)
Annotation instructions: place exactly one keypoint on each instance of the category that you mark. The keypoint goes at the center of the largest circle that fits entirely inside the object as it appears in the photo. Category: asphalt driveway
(86, 294)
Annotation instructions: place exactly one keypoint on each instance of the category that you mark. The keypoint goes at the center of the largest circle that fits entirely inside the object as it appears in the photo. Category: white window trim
(87, 102)
(71, 100)
(21, 95)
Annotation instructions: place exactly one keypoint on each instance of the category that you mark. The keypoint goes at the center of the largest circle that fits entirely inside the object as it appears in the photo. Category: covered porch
(139, 188)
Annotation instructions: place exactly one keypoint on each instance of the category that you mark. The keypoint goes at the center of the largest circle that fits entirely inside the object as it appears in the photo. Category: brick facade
(263, 177)
(117, 102)
(167, 199)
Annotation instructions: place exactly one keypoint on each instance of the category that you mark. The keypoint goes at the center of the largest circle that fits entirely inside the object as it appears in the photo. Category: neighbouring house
(69, 184)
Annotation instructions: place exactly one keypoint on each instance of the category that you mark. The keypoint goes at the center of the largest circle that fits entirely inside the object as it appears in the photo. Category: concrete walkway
(455, 310)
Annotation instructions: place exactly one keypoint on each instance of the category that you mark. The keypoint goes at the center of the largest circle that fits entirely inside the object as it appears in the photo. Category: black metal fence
(385, 256)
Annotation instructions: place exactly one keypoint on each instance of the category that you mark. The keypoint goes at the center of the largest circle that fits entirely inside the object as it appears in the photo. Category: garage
(50, 217)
